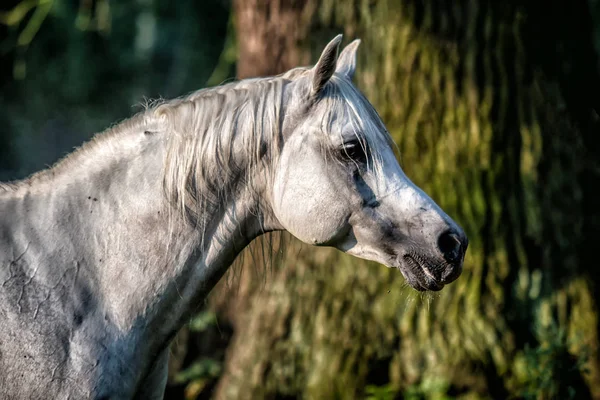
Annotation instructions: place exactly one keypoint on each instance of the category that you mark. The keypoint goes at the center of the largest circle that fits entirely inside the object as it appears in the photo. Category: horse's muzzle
(432, 273)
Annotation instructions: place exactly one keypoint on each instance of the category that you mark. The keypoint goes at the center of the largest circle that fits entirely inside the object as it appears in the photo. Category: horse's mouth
(418, 274)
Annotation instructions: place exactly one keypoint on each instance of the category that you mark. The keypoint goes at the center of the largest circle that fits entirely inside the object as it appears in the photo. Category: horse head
(338, 183)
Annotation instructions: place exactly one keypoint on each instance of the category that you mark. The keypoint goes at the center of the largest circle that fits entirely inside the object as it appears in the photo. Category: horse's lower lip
(428, 285)
(418, 277)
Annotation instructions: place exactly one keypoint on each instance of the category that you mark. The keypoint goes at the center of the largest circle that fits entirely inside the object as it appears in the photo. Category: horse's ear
(346, 63)
(325, 67)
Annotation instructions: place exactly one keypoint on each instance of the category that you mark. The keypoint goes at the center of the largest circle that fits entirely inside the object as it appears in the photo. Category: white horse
(104, 256)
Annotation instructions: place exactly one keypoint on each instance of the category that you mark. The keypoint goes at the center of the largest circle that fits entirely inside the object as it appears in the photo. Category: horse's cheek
(309, 208)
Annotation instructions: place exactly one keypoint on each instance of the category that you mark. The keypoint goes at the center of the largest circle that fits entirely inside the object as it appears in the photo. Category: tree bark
(270, 33)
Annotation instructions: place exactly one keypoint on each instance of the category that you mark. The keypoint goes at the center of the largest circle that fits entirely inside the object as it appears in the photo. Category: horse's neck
(147, 266)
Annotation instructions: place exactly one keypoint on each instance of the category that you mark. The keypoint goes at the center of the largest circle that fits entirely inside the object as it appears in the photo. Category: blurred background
(495, 109)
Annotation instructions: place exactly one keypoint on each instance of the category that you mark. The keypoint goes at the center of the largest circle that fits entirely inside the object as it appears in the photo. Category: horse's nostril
(450, 245)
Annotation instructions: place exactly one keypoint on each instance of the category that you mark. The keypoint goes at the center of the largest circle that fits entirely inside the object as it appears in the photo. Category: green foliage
(550, 370)
(205, 370)
(202, 321)
(90, 65)
(385, 392)
(202, 370)
(28, 16)
(428, 389)
(198, 376)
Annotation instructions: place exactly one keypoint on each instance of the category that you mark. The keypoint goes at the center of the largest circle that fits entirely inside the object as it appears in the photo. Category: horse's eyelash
(358, 142)
(354, 143)
(355, 151)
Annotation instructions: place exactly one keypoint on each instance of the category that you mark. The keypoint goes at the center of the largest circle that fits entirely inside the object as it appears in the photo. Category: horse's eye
(355, 151)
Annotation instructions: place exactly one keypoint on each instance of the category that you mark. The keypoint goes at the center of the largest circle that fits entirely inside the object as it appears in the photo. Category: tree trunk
(269, 35)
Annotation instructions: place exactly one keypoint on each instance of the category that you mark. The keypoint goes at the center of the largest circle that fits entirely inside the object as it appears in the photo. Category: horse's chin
(418, 275)
(415, 269)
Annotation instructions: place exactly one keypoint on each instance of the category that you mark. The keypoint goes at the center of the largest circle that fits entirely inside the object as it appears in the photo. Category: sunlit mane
(215, 135)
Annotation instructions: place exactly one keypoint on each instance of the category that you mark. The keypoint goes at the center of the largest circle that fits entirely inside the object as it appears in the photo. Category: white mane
(217, 134)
